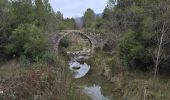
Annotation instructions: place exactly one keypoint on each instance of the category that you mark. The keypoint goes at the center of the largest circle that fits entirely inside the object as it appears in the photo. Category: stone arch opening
(80, 33)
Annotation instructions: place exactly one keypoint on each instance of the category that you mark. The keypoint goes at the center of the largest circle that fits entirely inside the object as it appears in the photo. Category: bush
(134, 50)
(27, 40)
(64, 43)
(50, 57)
(24, 62)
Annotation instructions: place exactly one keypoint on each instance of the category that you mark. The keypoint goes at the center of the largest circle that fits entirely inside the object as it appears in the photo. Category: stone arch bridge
(96, 40)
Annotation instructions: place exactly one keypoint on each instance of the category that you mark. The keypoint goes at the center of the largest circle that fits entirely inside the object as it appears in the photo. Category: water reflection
(79, 69)
(94, 92)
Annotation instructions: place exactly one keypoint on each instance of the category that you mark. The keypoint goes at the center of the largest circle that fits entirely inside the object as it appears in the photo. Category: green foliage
(64, 43)
(4, 17)
(40, 12)
(49, 57)
(24, 62)
(64, 24)
(27, 40)
(99, 25)
(69, 24)
(135, 52)
(145, 18)
(59, 18)
(20, 24)
(20, 13)
(89, 18)
(106, 14)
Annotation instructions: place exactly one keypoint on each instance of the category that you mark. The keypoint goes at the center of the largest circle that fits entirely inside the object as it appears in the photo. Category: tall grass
(40, 81)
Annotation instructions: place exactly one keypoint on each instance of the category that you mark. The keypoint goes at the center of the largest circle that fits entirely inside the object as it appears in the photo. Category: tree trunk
(159, 52)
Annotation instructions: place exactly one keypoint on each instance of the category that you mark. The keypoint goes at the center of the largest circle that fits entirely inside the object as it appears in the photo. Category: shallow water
(92, 84)
(82, 71)
(94, 92)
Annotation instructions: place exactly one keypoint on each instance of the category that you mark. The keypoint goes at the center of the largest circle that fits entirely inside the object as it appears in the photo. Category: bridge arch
(82, 34)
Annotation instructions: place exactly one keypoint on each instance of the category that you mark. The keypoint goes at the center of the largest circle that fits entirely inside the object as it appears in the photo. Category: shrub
(64, 43)
(24, 62)
(50, 57)
(27, 40)
(135, 51)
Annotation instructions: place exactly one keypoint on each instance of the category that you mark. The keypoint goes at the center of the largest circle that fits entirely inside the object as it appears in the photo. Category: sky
(76, 8)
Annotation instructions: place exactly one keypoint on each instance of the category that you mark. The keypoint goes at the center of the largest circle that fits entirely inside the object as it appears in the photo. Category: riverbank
(130, 85)
(105, 79)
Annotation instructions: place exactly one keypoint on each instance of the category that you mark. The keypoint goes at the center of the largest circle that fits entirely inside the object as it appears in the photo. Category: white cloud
(76, 8)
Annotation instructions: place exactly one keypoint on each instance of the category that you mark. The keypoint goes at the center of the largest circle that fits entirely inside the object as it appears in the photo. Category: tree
(27, 40)
(21, 12)
(40, 12)
(4, 7)
(148, 20)
(99, 24)
(59, 16)
(15, 16)
(59, 20)
(112, 3)
(162, 26)
(4, 18)
(69, 23)
(89, 18)
(47, 6)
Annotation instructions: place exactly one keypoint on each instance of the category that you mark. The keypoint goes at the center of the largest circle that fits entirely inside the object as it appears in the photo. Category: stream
(91, 84)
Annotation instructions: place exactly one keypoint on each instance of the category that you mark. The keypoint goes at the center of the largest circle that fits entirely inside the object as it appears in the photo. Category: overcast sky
(76, 8)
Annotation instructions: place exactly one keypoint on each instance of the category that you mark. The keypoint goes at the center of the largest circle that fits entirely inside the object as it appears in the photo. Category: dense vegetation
(143, 26)
(29, 69)
(23, 23)
(137, 35)
(137, 29)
